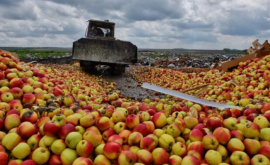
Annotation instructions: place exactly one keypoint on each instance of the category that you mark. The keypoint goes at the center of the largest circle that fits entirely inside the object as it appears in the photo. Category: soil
(131, 88)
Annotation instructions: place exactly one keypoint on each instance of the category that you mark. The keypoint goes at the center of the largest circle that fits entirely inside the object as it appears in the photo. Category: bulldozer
(259, 51)
(99, 47)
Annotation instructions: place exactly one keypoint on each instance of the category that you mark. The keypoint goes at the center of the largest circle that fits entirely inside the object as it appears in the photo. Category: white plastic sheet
(188, 97)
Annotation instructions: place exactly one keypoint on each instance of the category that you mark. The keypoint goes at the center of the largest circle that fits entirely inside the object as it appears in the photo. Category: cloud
(207, 24)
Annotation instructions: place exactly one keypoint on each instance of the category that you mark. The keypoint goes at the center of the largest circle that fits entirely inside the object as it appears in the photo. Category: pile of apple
(251, 87)
(59, 115)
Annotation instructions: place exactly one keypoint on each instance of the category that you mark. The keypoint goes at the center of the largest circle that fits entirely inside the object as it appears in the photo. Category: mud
(131, 88)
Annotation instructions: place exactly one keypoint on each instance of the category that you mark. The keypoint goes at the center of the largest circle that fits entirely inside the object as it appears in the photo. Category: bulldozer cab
(100, 30)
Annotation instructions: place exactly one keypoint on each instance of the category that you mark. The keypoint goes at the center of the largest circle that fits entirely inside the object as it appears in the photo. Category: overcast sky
(196, 24)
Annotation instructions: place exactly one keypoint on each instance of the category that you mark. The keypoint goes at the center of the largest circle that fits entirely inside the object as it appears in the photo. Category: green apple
(213, 157)
(58, 146)
(11, 140)
(68, 156)
(41, 155)
(166, 141)
(17, 151)
(72, 139)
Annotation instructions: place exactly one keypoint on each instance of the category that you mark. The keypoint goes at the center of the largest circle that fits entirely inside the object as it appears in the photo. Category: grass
(26, 53)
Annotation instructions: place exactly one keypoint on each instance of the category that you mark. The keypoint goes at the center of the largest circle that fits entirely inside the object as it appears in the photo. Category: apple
(107, 133)
(93, 137)
(118, 116)
(28, 98)
(190, 121)
(17, 151)
(79, 129)
(141, 128)
(84, 148)
(223, 152)
(210, 142)
(87, 120)
(174, 130)
(46, 141)
(144, 156)
(16, 92)
(104, 123)
(15, 104)
(267, 116)
(16, 82)
(160, 156)
(68, 156)
(102, 160)
(148, 144)
(230, 123)
(33, 141)
(135, 138)
(145, 116)
(259, 159)
(119, 127)
(115, 138)
(252, 146)
(213, 157)
(83, 161)
(150, 126)
(132, 120)
(261, 121)
(51, 128)
(195, 154)
(124, 135)
(28, 162)
(99, 149)
(112, 150)
(181, 123)
(27, 129)
(196, 135)
(3, 158)
(127, 156)
(41, 155)
(30, 116)
(6, 97)
(60, 119)
(11, 140)
(179, 149)
(265, 107)
(251, 130)
(265, 150)
(15, 162)
(72, 139)
(222, 134)
(239, 157)
(190, 160)
(42, 121)
(265, 134)
(197, 146)
(237, 134)
(213, 122)
(58, 146)
(65, 130)
(235, 145)
(5, 107)
(159, 119)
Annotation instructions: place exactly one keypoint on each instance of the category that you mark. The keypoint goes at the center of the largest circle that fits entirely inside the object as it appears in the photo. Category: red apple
(112, 150)
(222, 134)
(27, 129)
(65, 130)
(213, 122)
(51, 128)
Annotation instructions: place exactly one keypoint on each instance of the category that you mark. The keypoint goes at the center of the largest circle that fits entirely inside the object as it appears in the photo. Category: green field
(26, 53)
